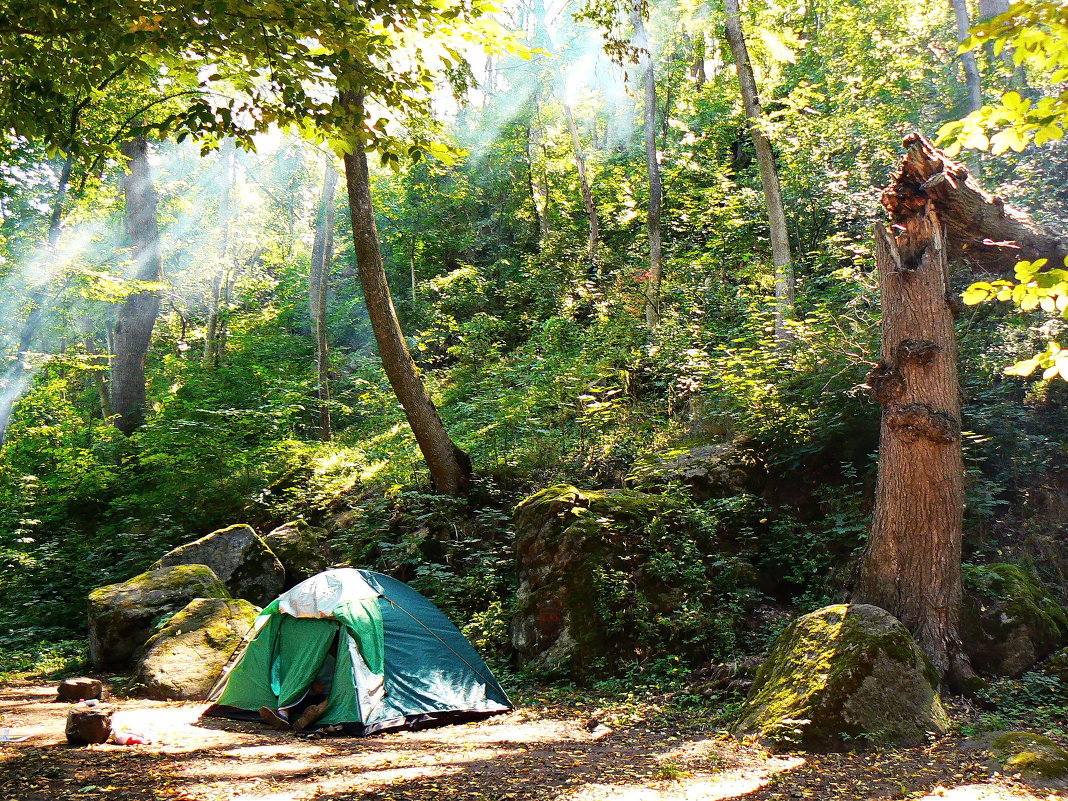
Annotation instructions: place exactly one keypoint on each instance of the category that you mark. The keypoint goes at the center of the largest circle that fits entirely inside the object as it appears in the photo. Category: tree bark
(450, 467)
(137, 317)
(911, 565)
(584, 182)
(769, 175)
(652, 163)
(322, 255)
(984, 232)
(967, 60)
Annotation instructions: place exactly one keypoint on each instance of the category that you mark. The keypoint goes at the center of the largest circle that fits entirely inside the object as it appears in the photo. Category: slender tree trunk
(218, 284)
(995, 8)
(967, 60)
(769, 176)
(100, 363)
(652, 163)
(911, 566)
(545, 41)
(584, 184)
(322, 255)
(137, 317)
(16, 377)
(450, 467)
(539, 190)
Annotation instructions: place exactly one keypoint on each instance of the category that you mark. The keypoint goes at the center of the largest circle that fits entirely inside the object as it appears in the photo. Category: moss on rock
(122, 616)
(239, 557)
(842, 674)
(1032, 757)
(185, 659)
(610, 575)
(301, 548)
(1010, 620)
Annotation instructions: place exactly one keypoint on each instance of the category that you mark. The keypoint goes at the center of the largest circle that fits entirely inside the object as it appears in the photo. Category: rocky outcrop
(607, 576)
(239, 558)
(712, 470)
(123, 616)
(301, 548)
(1010, 621)
(186, 658)
(842, 674)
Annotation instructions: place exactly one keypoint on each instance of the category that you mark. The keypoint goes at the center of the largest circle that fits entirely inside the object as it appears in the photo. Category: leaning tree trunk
(781, 257)
(322, 254)
(137, 317)
(967, 60)
(911, 566)
(652, 163)
(450, 467)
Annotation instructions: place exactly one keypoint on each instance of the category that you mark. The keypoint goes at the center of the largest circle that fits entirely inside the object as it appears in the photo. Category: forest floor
(545, 751)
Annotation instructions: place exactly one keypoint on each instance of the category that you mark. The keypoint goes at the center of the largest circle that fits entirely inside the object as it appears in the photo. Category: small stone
(89, 725)
(80, 689)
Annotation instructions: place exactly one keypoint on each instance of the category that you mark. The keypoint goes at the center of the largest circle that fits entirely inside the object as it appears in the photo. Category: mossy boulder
(300, 548)
(612, 575)
(843, 674)
(1010, 620)
(123, 616)
(709, 470)
(1036, 759)
(1057, 666)
(239, 557)
(185, 659)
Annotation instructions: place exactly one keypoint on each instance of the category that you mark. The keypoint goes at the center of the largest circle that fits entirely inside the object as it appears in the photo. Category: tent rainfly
(400, 663)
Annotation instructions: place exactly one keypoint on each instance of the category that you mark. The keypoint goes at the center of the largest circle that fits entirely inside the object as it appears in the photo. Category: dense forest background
(534, 341)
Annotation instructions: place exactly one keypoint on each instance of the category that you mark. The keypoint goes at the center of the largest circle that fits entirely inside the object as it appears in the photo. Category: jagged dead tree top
(984, 231)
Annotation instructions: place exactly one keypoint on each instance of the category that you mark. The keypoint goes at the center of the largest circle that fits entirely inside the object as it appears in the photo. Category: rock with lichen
(708, 470)
(1034, 758)
(301, 548)
(123, 616)
(239, 557)
(609, 575)
(843, 674)
(184, 660)
(1010, 620)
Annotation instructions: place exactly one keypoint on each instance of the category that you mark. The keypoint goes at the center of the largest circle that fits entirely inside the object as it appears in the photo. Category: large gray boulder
(709, 470)
(186, 658)
(239, 557)
(843, 674)
(301, 548)
(122, 616)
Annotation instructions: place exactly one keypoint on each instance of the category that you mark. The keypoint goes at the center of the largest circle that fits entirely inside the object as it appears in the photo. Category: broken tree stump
(89, 724)
(80, 689)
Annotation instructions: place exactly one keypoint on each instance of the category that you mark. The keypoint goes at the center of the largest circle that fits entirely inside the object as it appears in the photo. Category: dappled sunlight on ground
(533, 754)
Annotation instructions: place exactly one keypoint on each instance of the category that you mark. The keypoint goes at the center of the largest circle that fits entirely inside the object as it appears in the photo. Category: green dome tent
(399, 662)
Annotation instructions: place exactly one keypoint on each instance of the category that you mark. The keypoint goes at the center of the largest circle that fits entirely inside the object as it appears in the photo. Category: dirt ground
(543, 753)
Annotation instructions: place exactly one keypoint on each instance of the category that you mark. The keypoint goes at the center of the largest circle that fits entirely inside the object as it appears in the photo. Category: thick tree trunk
(137, 317)
(322, 255)
(911, 565)
(967, 60)
(984, 233)
(769, 176)
(450, 467)
(652, 163)
(16, 378)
